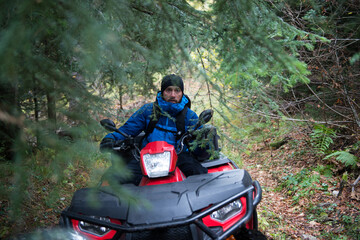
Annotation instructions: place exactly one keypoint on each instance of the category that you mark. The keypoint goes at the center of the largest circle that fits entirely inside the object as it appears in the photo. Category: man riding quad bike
(186, 194)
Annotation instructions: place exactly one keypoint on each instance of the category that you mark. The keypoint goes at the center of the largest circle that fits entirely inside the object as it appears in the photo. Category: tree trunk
(9, 127)
(36, 110)
(51, 106)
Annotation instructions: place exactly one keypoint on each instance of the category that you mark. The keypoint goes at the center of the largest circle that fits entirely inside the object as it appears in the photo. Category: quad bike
(218, 205)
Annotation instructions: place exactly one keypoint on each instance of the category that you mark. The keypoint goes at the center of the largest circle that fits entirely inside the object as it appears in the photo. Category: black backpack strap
(180, 123)
(154, 118)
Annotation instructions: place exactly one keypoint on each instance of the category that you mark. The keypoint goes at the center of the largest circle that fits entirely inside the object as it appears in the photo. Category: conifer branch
(142, 10)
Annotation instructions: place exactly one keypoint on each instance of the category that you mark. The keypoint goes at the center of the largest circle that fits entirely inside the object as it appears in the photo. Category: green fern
(344, 157)
(322, 138)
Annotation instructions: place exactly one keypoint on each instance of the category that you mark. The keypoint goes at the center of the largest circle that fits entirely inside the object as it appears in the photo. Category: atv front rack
(252, 193)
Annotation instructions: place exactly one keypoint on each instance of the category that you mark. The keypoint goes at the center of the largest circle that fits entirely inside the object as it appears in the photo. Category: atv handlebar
(204, 117)
(130, 142)
(110, 126)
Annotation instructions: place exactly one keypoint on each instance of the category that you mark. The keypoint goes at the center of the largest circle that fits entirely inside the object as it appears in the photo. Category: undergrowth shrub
(302, 184)
(328, 213)
(348, 159)
(321, 138)
(34, 191)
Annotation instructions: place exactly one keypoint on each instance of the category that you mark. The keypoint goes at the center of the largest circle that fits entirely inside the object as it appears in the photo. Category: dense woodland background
(67, 64)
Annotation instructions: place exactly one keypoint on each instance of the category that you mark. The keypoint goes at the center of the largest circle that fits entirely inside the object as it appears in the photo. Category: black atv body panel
(162, 203)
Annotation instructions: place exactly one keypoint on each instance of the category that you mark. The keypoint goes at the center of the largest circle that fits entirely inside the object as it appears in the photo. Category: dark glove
(107, 144)
(206, 140)
(197, 135)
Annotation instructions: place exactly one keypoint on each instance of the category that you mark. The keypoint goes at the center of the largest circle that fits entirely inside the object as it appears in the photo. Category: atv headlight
(227, 212)
(157, 165)
(93, 228)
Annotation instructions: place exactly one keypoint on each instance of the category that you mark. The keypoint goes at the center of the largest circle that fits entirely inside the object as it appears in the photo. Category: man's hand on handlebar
(107, 144)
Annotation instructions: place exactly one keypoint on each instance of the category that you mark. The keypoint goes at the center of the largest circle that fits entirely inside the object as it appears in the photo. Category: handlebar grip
(118, 143)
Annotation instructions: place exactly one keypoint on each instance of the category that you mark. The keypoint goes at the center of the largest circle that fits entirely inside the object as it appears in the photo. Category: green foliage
(355, 58)
(46, 186)
(253, 57)
(61, 57)
(348, 159)
(325, 170)
(302, 184)
(321, 213)
(322, 138)
(326, 212)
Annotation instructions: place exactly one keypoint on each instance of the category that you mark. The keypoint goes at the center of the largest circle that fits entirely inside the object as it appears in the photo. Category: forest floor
(298, 202)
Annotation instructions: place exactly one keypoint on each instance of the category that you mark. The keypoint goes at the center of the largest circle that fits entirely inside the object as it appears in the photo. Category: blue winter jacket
(139, 121)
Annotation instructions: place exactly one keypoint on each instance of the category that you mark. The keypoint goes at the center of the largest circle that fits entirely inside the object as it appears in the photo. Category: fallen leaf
(313, 223)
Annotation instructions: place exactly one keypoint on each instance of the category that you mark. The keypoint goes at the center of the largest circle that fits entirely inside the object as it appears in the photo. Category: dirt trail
(277, 208)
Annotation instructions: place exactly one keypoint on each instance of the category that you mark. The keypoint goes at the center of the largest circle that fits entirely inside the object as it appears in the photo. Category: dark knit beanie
(172, 80)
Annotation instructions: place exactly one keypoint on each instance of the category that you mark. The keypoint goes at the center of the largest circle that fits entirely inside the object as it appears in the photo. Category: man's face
(172, 94)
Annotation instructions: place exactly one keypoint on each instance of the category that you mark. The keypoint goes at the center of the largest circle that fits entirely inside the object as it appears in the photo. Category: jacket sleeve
(191, 119)
(135, 124)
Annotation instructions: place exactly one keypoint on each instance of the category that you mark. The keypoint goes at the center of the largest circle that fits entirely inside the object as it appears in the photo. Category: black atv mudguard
(167, 205)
